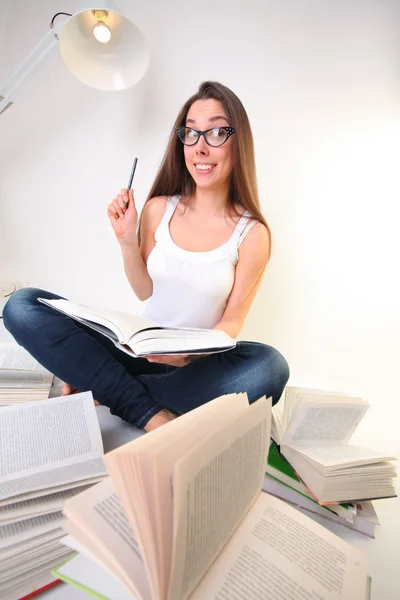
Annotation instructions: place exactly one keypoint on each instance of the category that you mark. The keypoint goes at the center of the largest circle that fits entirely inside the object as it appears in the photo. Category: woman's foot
(68, 389)
(161, 418)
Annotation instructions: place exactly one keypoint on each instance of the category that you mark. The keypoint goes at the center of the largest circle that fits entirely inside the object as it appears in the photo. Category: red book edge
(40, 590)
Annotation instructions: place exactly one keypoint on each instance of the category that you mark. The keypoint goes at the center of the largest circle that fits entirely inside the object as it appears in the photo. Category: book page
(26, 555)
(213, 487)
(278, 421)
(324, 421)
(28, 582)
(169, 341)
(24, 530)
(293, 395)
(54, 480)
(24, 379)
(342, 455)
(13, 357)
(147, 493)
(121, 324)
(89, 576)
(39, 541)
(97, 520)
(31, 560)
(277, 553)
(38, 436)
(37, 506)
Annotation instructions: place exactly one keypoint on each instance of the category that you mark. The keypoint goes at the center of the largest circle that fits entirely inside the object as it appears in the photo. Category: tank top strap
(242, 228)
(171, 204)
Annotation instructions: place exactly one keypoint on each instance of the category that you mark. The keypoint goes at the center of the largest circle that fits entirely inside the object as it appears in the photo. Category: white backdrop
(321, 83)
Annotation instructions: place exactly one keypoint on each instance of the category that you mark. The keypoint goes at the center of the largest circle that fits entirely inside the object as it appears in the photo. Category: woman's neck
(210, 202)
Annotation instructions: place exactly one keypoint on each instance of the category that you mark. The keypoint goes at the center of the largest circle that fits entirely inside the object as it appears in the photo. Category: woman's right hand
(123, 219)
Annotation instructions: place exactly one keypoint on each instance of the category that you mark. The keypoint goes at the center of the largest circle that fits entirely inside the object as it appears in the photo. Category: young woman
(198, 258)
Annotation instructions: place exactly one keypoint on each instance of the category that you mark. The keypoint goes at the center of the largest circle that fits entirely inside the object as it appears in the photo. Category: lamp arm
(47, 42)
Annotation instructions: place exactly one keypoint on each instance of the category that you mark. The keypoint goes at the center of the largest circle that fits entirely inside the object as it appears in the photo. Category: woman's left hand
(166, 359)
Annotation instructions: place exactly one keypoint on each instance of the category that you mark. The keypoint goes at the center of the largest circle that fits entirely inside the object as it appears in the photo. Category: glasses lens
(188, 136)
(216, 136)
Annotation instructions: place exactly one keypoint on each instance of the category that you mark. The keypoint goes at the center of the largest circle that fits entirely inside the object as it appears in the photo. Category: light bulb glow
(102, 32)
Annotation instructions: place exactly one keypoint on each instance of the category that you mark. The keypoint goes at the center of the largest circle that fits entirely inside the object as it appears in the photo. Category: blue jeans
(134, 388)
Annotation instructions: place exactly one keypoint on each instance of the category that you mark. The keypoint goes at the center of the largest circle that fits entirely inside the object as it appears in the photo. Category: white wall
(321, 83)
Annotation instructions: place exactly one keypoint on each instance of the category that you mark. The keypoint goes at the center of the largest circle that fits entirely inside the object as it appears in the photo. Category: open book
(141, 337)
(49, 451)
(22, 378)
(313, 428)
(281, 481)
(183, 516)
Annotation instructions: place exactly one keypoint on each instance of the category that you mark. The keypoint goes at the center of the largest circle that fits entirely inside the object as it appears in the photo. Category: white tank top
(191, 289)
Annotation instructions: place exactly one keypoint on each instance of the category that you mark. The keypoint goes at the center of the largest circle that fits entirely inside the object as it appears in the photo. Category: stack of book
(282, 481)
(312, 465)
(182, 516)
(49, 451)
(22, 378)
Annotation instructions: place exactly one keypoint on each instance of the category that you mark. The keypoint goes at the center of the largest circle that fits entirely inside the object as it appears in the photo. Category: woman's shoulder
(153, 212)
(257, 241)
(156, 203)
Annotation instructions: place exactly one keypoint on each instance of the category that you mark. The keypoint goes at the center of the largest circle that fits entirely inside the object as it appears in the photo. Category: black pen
(131, 179)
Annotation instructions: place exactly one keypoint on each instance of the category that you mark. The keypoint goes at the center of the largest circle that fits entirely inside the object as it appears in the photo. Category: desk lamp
(98, 44)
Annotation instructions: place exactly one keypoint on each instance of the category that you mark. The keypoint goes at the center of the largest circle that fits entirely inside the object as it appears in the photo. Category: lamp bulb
(102, 32)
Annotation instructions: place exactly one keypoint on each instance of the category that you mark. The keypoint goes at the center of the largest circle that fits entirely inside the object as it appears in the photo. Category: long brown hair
(174, 178)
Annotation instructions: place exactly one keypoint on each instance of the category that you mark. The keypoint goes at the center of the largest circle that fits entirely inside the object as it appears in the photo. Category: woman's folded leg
(251, 367)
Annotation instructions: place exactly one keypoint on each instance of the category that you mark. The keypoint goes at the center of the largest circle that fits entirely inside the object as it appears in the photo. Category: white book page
(293, 395)
(88, 573)
(277, 553)
(49, 482)
(38, 436)
(121, 324)
(97, 520)
(213, 488)
(342, 455)
(278, 420)
(147, 493)
(24, 530)
(178, 344)
(31, 553)
(52, 502)
(23, 379)
(29, 581)
(76, 473)
(40, 578)
(33, 561)
(38, 542)
(324, 421)
(14, 357)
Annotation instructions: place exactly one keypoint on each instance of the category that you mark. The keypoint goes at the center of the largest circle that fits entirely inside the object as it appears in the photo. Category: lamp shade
(116, 65)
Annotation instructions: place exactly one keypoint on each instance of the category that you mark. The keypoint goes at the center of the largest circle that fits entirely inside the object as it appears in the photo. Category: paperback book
(313, 429)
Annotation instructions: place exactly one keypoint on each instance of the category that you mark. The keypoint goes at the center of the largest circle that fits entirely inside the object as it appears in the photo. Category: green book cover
(276, 461)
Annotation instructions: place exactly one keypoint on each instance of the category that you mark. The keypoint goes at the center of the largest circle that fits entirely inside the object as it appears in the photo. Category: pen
(131, 178)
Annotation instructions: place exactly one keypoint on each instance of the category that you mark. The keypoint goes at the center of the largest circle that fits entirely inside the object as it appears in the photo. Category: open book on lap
(182, 516)
(141, 337)
(313, 428)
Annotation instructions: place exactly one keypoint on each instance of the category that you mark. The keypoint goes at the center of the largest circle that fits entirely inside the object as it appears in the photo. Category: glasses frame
(229, 132)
